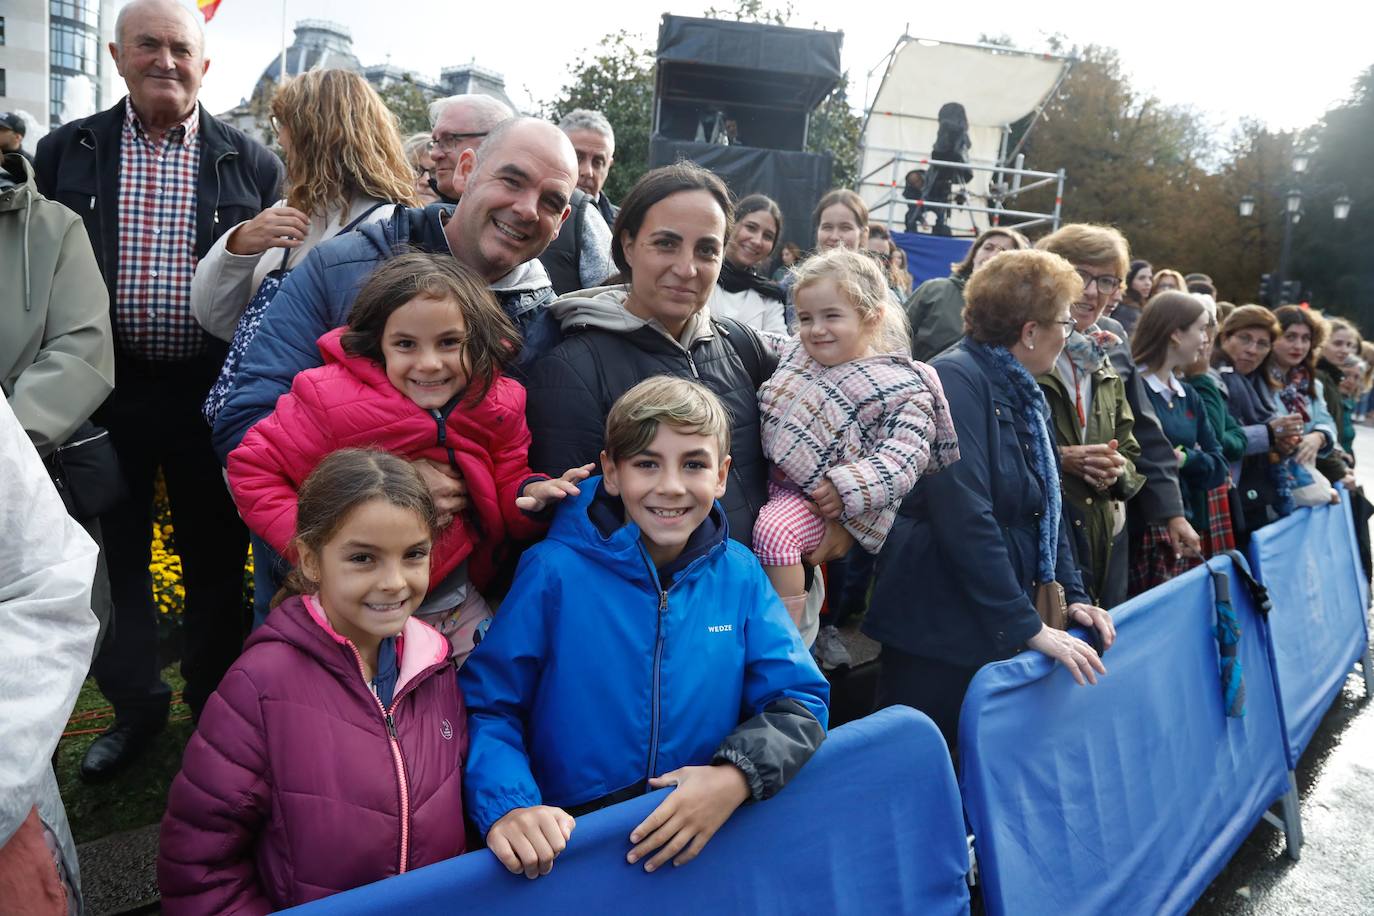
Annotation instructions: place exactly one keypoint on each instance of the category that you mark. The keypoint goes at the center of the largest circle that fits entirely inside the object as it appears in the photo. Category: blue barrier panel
(1126, 797)
(1310, 565)
(929, 256)
(871, 825)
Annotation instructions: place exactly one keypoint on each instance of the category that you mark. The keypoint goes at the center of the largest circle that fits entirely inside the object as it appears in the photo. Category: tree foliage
(616, 79)
(409, 105)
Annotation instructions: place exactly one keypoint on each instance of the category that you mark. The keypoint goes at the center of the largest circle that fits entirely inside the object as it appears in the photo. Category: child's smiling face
(372, 573)
(424, 348)
(669, 488)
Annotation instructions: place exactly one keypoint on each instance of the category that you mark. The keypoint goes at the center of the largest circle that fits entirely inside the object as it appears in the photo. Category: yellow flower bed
(169, 595)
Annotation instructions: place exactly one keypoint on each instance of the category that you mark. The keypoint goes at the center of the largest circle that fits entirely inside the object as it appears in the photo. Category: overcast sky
(1228, 59)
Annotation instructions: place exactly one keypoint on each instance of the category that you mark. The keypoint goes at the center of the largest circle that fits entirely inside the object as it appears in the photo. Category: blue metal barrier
(1310, 565)
(871, 825)
(1128, 796)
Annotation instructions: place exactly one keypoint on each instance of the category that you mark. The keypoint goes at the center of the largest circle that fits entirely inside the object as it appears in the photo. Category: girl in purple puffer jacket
(331, 755)
(849, 421)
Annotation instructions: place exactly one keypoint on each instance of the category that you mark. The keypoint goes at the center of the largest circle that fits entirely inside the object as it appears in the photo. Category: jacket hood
(368, 371)
(603, 308)
(17, 185)
(575, 526)
(300, 622)
(17, 192)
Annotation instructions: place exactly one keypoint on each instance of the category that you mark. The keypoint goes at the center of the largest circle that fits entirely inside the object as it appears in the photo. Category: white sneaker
(830, 650)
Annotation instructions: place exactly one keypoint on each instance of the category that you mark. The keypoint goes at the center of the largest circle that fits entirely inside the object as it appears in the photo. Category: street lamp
(1292, 211)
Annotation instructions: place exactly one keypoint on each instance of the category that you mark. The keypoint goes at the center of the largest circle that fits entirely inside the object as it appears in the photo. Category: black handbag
(86, 472)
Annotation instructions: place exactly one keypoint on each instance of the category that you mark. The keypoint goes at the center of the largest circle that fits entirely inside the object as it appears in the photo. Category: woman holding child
(975, 540)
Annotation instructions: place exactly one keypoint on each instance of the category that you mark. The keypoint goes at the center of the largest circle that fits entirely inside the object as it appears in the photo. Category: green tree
(616, 79)
(1331, 257)
(409, 105)
(836, 129)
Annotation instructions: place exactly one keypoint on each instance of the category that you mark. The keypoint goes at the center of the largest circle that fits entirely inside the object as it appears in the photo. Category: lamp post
(1292, 212)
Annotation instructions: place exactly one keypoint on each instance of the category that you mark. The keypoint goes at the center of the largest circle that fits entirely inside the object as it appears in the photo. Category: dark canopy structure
(736, 97)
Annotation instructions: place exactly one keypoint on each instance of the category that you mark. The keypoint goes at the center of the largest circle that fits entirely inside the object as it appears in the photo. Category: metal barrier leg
(1367, 666)
(1289, 818)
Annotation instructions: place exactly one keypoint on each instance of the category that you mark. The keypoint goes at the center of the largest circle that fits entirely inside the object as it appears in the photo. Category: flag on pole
(207, 8)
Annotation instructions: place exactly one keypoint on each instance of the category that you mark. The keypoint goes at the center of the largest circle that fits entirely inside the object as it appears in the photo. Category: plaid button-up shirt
(157, 241)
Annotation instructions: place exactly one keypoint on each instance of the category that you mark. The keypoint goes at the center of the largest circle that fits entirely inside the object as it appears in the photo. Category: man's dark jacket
(78, 165)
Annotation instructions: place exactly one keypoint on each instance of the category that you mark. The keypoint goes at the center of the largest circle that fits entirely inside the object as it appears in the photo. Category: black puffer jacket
(606, 351)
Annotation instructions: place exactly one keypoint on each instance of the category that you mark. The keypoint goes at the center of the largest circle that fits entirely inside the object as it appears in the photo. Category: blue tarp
(929, 256)
(1126, 797)
(871, 825)
(1310, 565)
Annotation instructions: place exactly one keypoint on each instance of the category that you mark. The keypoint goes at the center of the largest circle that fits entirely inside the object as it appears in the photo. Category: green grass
(134, 798)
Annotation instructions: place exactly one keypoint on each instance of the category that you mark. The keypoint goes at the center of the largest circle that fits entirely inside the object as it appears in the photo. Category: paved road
(1336, 783)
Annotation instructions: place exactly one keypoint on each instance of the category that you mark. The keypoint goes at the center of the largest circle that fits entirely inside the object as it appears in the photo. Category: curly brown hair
(1016, 287)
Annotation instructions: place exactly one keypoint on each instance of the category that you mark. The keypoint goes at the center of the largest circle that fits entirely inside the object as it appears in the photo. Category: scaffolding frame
(998, 190)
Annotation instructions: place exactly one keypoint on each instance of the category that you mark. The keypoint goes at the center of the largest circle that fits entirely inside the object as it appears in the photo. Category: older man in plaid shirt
(156, 180)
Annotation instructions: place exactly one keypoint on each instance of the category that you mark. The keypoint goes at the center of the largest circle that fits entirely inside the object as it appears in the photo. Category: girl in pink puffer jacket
(849, 421)
(331, 754)
(417, 372)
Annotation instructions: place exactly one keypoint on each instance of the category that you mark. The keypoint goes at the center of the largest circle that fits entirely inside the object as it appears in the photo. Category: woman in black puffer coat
(668, 242)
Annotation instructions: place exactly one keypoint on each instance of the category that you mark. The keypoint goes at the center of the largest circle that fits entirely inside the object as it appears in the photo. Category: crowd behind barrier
(1320, 598)
(1127, 798)
(894, 843)
(1135, 791)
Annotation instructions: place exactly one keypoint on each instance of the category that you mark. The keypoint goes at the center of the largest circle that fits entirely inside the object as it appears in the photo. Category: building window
(2, 34)
(73, 47)
(86, 12)
(2, 82)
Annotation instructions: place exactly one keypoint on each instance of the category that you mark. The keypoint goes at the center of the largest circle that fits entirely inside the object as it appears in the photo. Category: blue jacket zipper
(658, 653)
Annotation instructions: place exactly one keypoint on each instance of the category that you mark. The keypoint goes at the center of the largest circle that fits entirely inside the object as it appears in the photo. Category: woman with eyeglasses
(958, 574)
(344, 166)
(417, 154)
(1271, 432)
(1093, 421)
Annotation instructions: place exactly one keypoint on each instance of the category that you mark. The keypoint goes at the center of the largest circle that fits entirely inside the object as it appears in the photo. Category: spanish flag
(207, 8)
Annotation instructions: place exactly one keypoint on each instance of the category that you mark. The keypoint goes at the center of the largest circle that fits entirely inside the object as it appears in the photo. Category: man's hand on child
(527, 840)
(686, 820)
(540, 493)
(446, 487)
(827, 500)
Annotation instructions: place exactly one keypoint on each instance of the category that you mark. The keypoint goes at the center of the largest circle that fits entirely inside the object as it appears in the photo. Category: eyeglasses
(1250, 340)
(449, 142)
(421, 172)
(1106, 283)
(1068, 325)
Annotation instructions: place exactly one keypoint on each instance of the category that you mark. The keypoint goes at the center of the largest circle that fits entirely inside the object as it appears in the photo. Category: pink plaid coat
(872, 426)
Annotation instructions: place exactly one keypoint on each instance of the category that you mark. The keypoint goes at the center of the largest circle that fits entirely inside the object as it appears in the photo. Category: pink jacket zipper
(397, 760)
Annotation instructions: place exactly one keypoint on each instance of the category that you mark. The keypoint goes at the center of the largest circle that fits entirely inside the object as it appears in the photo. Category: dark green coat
(1089, 510)
(1228, 431)
(936, 314)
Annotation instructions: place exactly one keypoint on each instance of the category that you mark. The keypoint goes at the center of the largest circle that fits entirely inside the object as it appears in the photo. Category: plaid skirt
(1154, 562)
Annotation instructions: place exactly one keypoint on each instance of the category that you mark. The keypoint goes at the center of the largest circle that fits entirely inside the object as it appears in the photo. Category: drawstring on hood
(16, 167)
(603, 308)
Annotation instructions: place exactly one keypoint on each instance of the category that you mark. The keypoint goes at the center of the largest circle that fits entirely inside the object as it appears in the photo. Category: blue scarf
(1030, 401)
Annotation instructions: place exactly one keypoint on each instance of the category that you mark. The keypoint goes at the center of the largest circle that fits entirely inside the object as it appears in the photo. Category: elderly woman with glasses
(1093, 422)
(977, 540)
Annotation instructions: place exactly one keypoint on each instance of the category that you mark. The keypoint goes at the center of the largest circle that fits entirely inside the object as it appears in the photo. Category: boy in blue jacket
(634, 640)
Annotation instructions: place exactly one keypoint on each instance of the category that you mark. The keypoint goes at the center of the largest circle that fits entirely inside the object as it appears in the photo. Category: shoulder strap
(746, 345)
(362, 217)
